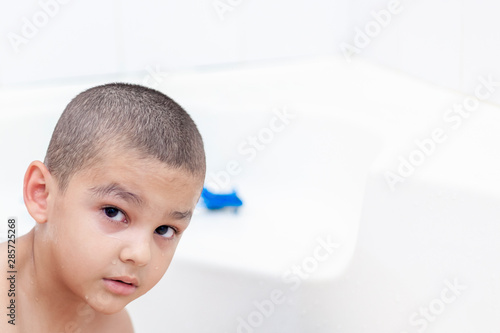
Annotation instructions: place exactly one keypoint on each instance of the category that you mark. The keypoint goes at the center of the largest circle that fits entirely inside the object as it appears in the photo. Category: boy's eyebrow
(182, 215)
(115, 189)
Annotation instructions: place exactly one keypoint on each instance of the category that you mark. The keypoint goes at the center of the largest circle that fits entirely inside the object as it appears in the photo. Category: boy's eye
(165, 231)
(114, 214)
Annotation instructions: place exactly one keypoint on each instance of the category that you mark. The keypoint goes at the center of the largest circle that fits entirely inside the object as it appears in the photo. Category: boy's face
(114, 231)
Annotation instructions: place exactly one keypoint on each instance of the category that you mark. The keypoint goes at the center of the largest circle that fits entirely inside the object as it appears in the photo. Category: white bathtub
(319, 180)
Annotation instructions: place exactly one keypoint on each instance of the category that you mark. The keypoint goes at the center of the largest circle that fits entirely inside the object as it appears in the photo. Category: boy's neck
(50, 305)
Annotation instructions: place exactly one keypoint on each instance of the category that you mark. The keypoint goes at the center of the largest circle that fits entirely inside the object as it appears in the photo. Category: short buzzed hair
(125, 116)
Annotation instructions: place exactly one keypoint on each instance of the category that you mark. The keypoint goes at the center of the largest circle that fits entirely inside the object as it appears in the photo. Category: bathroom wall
(102, 37)
(446, 42)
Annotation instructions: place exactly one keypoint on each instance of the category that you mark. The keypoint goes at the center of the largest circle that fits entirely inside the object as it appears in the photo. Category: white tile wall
(429, 40)
(481, 43)
(423, 39)
(177, 34)
(195, 33)
(447, 42)
(77, 39)
(95, 38)
(274, 29)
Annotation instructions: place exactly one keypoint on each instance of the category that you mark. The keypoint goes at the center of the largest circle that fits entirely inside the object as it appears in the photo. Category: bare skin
(105, 241)
(32, 314)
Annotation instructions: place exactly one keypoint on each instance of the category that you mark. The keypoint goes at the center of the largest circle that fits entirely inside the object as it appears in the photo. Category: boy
(123, 172)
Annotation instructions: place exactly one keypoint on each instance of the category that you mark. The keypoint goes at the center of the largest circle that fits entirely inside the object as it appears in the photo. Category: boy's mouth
(124, 279)
(121, 285)
(130, 284)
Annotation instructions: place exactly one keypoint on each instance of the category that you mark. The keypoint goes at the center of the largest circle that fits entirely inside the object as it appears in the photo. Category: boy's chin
(108, 305)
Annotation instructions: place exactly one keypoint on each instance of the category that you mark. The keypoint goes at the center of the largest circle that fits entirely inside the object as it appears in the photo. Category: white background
(446, 42)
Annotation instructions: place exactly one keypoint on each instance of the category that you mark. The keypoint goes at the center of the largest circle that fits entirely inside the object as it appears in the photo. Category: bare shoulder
(119, 322)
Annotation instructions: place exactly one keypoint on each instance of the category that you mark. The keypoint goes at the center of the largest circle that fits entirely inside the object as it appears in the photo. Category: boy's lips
(121, 285)
(127, 279)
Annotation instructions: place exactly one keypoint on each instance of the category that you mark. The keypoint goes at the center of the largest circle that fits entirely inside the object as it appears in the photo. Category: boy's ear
(36, 190)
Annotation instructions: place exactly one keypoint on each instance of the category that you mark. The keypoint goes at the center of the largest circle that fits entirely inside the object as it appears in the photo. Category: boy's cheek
(107, 228)
(154, 276)
(161, 260)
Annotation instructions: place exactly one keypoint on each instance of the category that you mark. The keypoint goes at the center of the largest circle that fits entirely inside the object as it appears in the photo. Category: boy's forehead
(123, 162)
(122, 173)
(126, 177)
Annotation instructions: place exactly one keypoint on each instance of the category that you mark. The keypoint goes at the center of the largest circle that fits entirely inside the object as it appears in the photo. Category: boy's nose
(136, 250)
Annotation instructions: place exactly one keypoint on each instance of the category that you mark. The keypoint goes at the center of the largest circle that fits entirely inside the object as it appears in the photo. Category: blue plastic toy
(219, 201)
